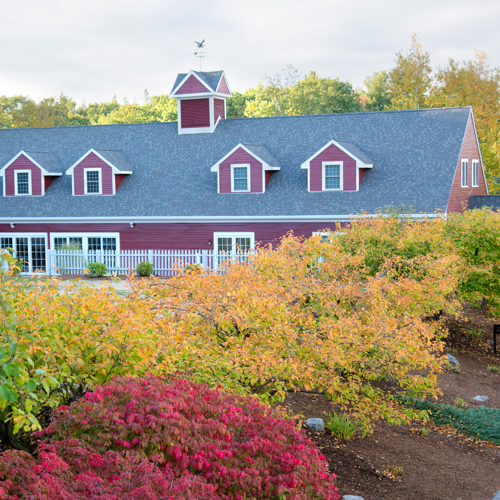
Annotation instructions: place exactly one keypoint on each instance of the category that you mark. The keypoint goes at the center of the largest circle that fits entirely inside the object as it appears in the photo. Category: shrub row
(153, 439)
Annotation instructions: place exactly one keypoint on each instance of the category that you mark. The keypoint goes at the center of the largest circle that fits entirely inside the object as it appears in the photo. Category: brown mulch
(398, 462)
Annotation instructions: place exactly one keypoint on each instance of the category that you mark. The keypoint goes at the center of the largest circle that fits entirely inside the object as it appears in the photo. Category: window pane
(94, 244)
(240, 178)
(76, 243)
(60, 243)
(243, 243)
(92, 181)
(22, 252)
(224, 244)
(109, 244)
(38, 254)
(6, 243)
(23, 183)
(332, 176)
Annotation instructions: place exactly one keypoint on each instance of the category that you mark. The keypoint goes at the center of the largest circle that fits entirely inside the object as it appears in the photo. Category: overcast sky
(91, 50)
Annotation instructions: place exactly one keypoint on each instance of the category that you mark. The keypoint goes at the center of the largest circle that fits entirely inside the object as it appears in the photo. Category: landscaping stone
(352, 497)
(481, 398)
(452, 359)
(316, 424)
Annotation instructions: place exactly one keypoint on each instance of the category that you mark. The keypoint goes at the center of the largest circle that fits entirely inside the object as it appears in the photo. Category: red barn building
(212, 183)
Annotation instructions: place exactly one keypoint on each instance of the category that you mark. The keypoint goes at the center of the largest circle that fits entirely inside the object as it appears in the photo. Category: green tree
(475, 83)
(410, 81)
(286, 95)
(378, 93)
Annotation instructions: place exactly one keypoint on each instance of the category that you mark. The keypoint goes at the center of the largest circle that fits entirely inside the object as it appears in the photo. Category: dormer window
(247, 168)
(99, 171)
(240, 178)
(23, 182)
(93, 181)
(332, 176)
(337, 166)
(30, 173)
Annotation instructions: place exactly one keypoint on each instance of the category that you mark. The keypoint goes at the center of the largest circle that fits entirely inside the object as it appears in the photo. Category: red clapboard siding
(219, 109)
(332, 153)
(93, 161)
(118, 180)
(240, 156)
(268, 176)
(164, 236)
(48, 181)
(23, 163)
(470, 151)
(193, 86)
(223, 88)
(195, 113)
(361, 173)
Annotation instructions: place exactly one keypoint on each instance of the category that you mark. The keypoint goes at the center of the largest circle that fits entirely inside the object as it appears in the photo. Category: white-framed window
(475, 173)
(93, 181)
(240, 178)
(465, 173)
(23, 182)
(30, 248)
(73, 250)
(333, 176)
(234, 242)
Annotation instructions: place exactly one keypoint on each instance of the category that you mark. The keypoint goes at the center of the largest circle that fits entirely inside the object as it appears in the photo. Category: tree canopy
(412, 83)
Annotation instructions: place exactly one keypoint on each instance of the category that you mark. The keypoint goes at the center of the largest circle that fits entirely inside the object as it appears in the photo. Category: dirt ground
(439, 466)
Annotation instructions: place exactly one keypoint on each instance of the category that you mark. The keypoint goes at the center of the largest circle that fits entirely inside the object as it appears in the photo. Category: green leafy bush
(475, 235)
(144, 268)
(97, 269)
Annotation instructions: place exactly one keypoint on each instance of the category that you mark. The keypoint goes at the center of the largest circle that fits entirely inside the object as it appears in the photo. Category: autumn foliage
(151, 439)
(358, 317)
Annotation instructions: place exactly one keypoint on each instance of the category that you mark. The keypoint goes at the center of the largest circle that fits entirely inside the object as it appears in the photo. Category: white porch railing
(164, 261)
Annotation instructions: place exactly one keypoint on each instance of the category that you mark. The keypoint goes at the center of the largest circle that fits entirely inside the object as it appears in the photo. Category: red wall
(332, 153)
(240, 156)
(219, 109)
(118, 180)
(195, 113)
(223, 88)
(192, 86)
(93, 161)
(163, 236)
(22, 163)
(470, 151)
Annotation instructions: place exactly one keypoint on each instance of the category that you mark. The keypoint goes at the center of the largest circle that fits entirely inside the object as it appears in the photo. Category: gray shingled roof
(116, 158)
(480, 201)
(210, 78)
(414, 153)
(262, 153)
(354, 150)
(46, 160)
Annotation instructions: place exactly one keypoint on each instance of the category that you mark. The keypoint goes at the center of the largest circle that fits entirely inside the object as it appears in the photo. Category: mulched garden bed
(398, 462)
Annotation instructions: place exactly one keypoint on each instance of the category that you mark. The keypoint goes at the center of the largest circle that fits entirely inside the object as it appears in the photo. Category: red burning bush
(151, 439)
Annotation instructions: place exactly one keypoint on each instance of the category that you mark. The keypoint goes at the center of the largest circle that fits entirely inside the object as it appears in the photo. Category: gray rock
(481, 398)
(452, 359)
(316, 424)
(351, 497)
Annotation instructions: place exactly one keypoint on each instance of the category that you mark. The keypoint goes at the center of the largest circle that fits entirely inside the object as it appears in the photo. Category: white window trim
(323, 184)
(23, 171)
(249, 181)
(475, 173)
(234, 236)
(29, 236)
(85, 170)
(85, 237)
(464, 163)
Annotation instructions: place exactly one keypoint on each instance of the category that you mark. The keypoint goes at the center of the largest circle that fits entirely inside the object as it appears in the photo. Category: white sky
(91, 50)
